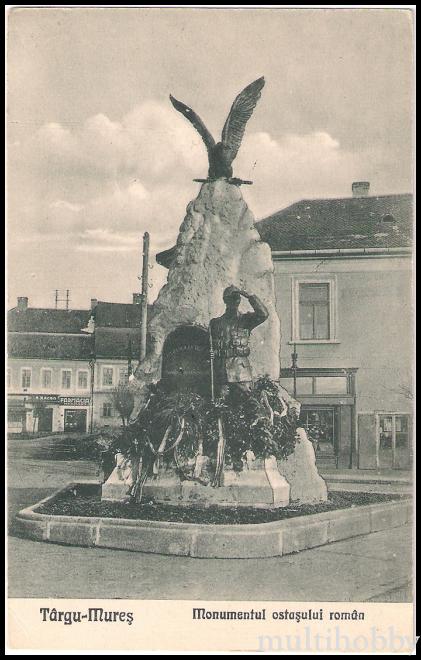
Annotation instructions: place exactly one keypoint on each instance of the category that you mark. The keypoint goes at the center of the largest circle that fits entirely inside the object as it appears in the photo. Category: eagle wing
(240, 113)
(196, 121)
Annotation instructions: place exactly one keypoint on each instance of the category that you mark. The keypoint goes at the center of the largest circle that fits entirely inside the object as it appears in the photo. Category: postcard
(210, 320)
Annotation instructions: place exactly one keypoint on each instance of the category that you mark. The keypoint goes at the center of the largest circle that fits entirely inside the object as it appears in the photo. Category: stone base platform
(260, 487)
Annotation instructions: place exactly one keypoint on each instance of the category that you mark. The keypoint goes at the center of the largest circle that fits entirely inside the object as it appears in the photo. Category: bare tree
(122, 399)
(403, 390)
(407, 392)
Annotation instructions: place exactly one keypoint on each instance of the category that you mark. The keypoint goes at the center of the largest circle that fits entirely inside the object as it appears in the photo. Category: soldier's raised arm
(260, 313)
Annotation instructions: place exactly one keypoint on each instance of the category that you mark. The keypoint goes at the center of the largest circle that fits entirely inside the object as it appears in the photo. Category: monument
(211, 424)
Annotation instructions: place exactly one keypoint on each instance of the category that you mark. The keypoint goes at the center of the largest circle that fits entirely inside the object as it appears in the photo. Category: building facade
(115, 330)
(343, 279)
(343, 283)
(64, 365)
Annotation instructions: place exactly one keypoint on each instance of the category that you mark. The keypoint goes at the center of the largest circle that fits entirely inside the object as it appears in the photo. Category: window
(26, 378)
(15, 420)
(386, 432)
(401, 431)
(107, 410)
(389, 219)
(314, 311)
(66, 379)
(320, 426)
(107, 376)
(82, 380)
(46, 378)
(314, 314)
(393, 440)
(123, 375)
(393, 431)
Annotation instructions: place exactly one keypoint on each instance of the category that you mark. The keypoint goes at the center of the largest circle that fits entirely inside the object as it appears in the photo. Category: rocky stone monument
(218, 247)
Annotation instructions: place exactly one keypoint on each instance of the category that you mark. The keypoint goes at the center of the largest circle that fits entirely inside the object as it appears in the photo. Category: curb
(272, 539)
(370, 480)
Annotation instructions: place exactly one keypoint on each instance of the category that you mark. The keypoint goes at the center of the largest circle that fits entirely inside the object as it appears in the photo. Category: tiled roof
(47, 320)
(50, 346)
(352, 222)
(117, 315)
(349, 222)
(51, 333)
(114, 342)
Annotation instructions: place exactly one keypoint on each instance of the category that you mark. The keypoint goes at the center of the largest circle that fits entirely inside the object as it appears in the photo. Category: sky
(97, 155)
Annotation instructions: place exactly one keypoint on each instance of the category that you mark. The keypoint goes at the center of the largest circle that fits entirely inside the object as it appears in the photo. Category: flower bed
(213, 534)
(83, 502)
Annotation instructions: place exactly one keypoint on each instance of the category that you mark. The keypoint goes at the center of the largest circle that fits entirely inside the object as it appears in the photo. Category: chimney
(94, 303)
(360, 188)
(137, 298)
(22, 303)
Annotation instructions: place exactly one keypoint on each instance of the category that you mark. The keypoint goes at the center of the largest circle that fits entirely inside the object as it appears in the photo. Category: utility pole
(294, 357)
(92, 369)
(129, 358)
(144, 303)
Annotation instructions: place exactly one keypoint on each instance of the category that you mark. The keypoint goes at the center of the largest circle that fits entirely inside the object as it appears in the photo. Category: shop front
(74, 413)
(16, 415)
(29, 413)
(327, 398)
(44, 413)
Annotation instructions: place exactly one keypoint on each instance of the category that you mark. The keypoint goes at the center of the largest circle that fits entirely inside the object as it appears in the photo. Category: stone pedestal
(118, 484)
(300, 471)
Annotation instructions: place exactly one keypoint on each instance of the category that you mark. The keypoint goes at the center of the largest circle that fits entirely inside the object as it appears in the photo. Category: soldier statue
(230, 334)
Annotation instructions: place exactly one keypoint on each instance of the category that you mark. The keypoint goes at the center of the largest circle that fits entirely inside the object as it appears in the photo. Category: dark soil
(86, 502)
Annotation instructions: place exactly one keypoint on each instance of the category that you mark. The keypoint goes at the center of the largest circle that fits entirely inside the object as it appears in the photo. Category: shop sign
(48, 398)
(75, 400)
(55, 398)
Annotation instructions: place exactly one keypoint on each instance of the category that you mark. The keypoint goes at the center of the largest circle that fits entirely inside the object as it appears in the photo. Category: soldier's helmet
(230, 293)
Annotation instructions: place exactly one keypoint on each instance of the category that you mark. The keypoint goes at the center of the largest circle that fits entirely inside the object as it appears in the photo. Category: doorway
(45, 420)
(393, 441)
(321, 425)
(75, 420)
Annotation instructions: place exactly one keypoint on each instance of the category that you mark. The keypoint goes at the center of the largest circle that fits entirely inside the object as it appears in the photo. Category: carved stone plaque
(186, 360)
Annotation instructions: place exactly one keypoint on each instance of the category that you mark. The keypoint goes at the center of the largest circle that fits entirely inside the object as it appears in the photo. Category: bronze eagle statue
(222, 154)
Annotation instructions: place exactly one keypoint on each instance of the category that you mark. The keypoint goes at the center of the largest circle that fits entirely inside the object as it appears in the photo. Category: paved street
(371, 567)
